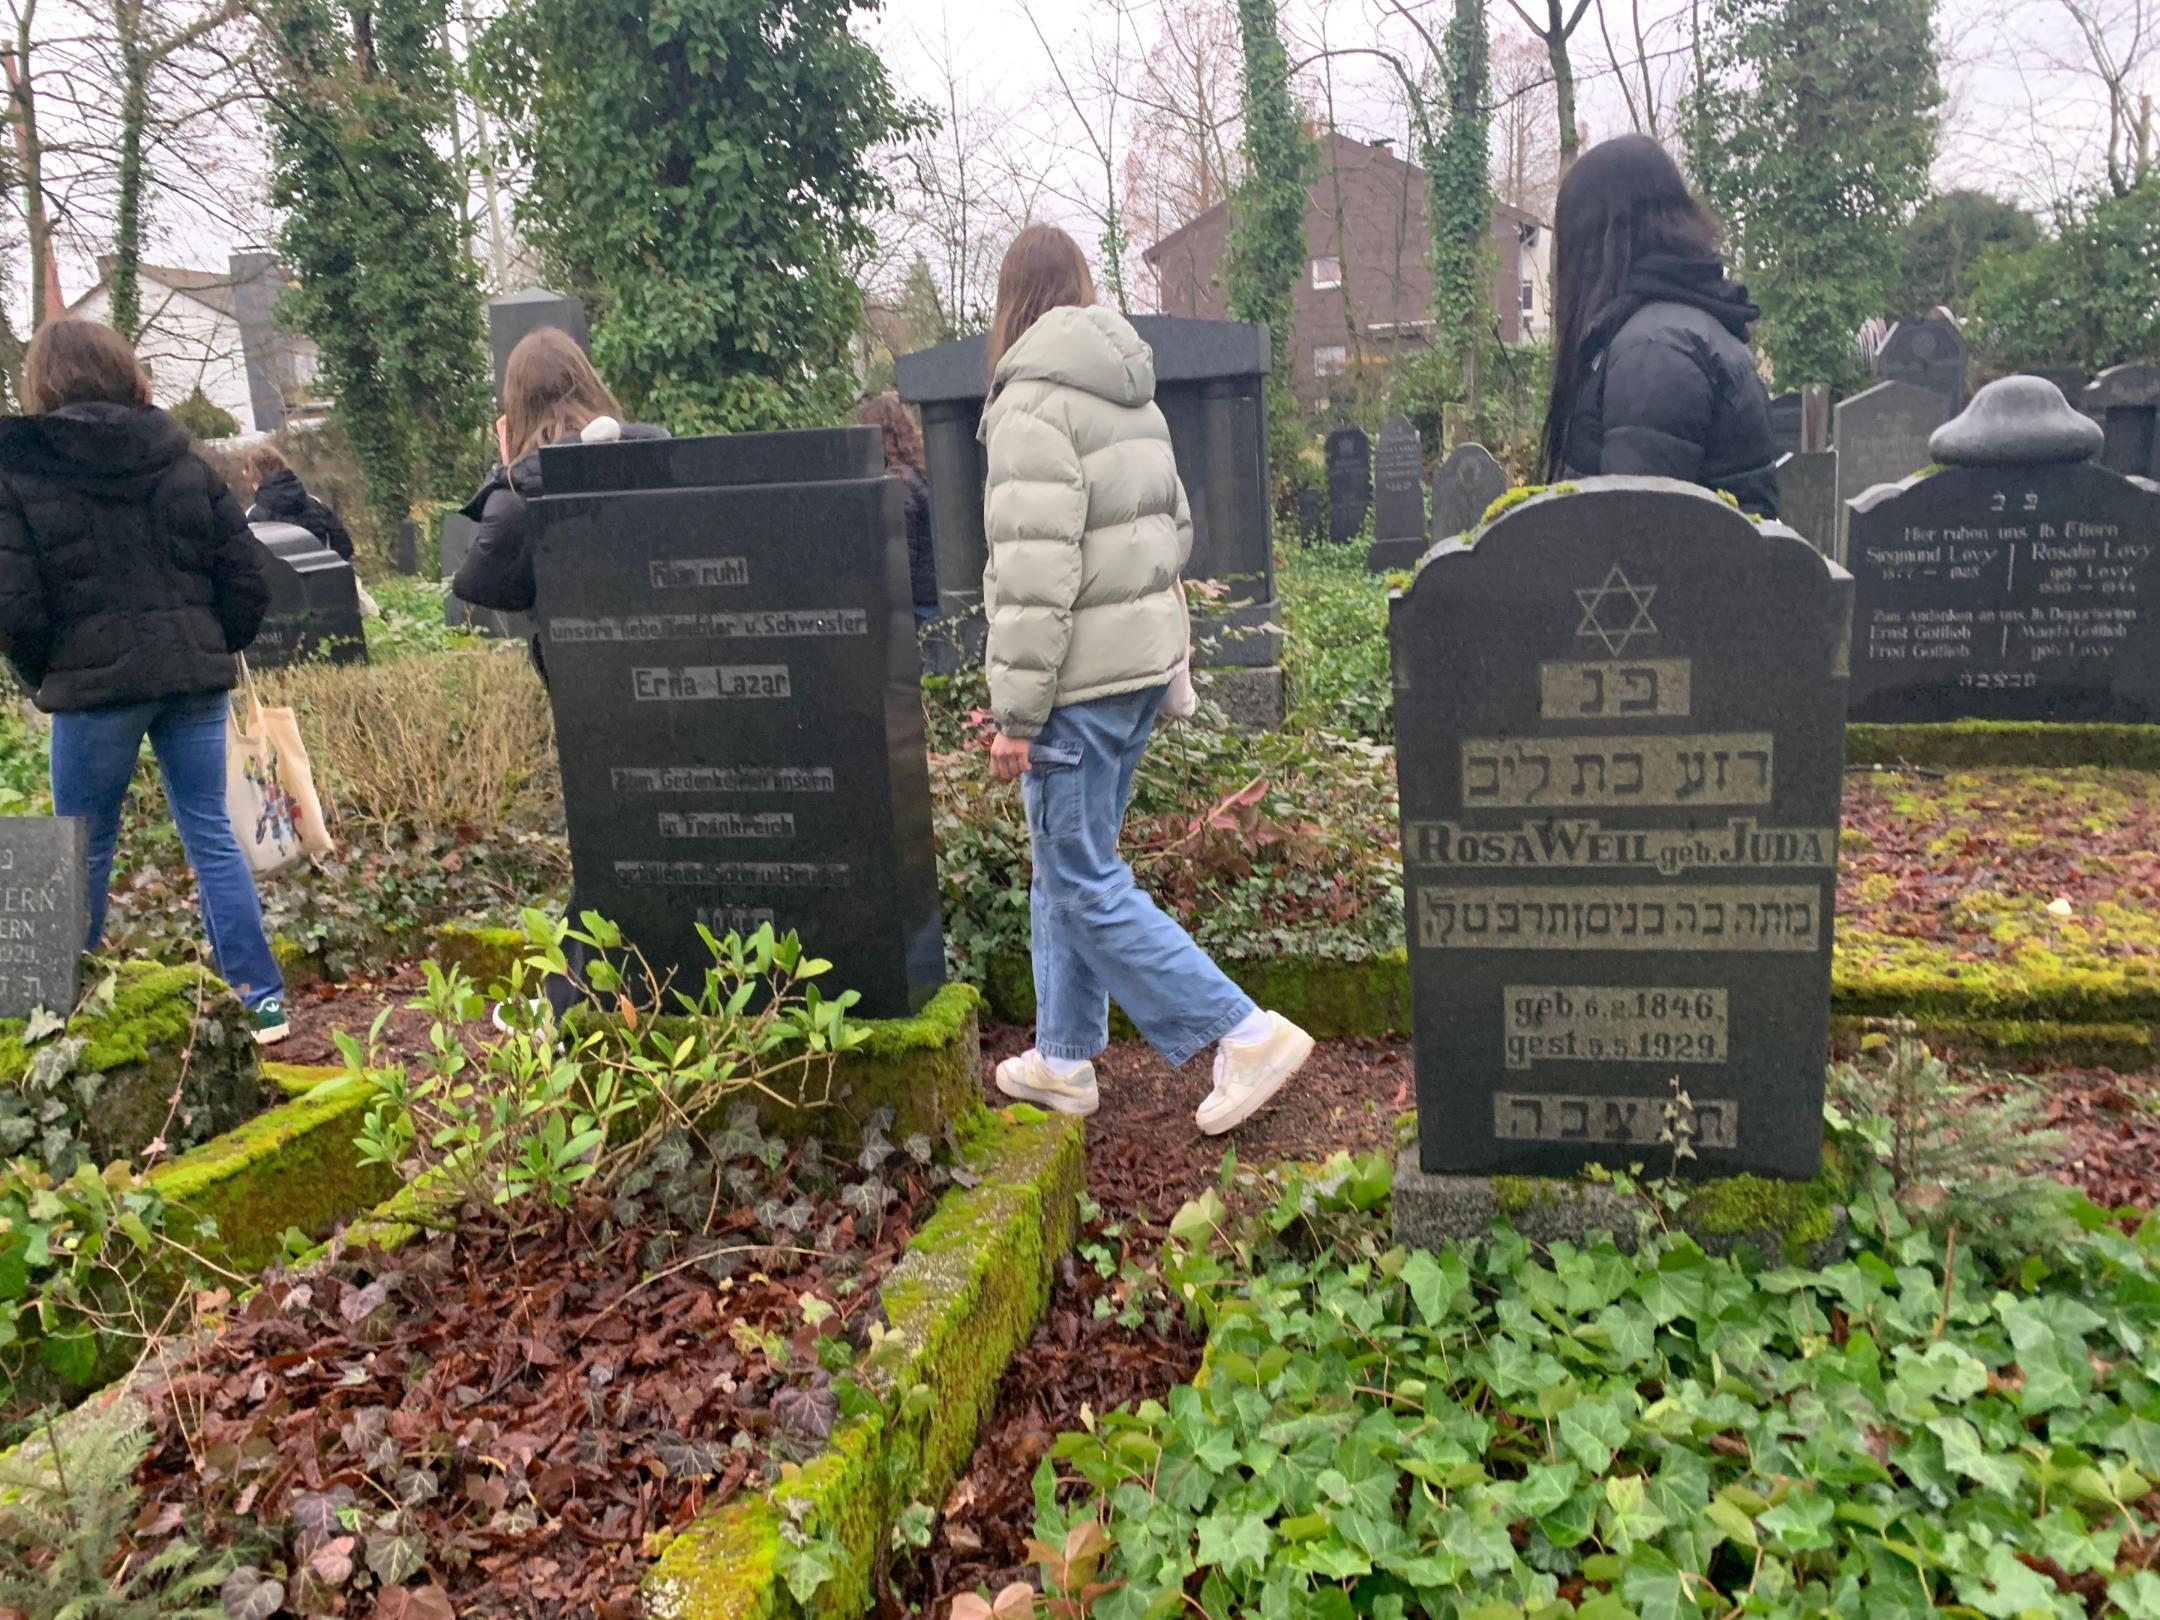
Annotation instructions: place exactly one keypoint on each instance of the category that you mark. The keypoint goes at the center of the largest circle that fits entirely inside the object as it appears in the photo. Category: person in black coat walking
(280, 497)
(1651, 369)
(904, 461)
(128, 580)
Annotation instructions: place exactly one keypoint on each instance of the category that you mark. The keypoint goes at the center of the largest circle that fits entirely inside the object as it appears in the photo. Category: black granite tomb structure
(44, 914)
(730, 644)
(1211, 383)
(314, 602)
(1787, 412)
(1620, 719)
(1349, 482)
(2021, 582)
(1399, 483)
(2125, 401)
(515, 315)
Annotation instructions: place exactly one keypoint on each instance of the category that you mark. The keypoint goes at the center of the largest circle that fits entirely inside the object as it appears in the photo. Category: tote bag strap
(251, 700)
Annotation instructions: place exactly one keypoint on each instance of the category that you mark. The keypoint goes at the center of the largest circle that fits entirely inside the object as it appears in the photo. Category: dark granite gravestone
(1399, 482)
(1211, 384)
(2020, 583)
(1465, 484)
(513, 316)
(731, 653)
(1928, 354)
(452, 543)
(1311, 514)
(314, 602)
(1620, 723)
(1807, 497)
(1882, 436)
(407, 558)
(1786, 412)
(1349, 482)
(2125, 400)
(2068, 378)
(44, 914)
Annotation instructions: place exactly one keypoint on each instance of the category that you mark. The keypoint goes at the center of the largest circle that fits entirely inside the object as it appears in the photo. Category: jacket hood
(123, 449)
(1095, 350)
(281, 494)
(1665, 279)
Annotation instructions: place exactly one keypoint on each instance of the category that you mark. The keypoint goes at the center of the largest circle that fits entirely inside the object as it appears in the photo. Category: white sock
(1249, 1028)
(1063, 1068)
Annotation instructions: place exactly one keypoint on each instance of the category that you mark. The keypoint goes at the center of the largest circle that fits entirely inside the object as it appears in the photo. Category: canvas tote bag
(270, 788)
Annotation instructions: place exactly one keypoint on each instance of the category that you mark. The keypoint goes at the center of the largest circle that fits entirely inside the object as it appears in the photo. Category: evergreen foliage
(700, 174)
(1812, 132)
(1459, 192)
(204, 417)
(1945, 244)
(2089, 296)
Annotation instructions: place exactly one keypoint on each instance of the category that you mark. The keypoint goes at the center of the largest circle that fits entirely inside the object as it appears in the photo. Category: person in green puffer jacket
(1088, 528)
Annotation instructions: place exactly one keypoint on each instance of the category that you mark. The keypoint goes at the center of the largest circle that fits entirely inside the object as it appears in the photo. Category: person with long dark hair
(904, 461)
(1651, 369)
(1089, 528)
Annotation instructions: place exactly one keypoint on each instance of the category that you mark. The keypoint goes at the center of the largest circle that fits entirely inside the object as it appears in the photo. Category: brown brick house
(1366, 295)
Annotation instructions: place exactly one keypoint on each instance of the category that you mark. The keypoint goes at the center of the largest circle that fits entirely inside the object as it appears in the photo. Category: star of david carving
(1616, 612)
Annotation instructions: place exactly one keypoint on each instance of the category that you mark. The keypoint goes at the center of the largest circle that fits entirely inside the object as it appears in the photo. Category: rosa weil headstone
(1620, 719)
(1398, 482)
(1463, 486)
(730, 643)
(1881, 435)
(2019, 583)
(44, 914)
(314, 611)
(1349, 482)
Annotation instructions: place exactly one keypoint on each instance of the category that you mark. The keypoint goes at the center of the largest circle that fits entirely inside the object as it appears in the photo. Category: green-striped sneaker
(270, 1024)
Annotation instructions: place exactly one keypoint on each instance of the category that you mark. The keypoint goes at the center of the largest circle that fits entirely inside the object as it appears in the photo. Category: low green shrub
(1335, 617)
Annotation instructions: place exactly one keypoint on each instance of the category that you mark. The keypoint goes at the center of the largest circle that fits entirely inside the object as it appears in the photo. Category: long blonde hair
(1043, 270)
(550, 392)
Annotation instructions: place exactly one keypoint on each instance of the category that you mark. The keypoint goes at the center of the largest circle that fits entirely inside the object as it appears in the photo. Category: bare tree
(1182, 156)
(1526, 125)
(1094, 73)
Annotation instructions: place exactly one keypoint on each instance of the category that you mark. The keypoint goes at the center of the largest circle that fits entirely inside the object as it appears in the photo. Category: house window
(1528, 236)
(1330, 359)
(1326, 274)
(1529, 295)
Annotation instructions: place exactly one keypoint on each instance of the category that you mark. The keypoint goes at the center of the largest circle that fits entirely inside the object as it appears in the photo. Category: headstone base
(1791, 1222)
(1252, 698)
(1389, 556)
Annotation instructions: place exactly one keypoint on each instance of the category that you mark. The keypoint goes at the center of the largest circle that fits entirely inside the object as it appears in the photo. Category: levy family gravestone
(1620, 721)
(44, 914)
(730, 643)
(1465, 484)
(1928, 354)
(1807, 497)
(314, 602)
(1881, 436)
(2125, 400)
(2019, 583)
(1349, 482)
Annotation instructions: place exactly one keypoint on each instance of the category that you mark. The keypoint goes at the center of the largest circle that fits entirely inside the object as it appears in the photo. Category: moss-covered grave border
(1966, 744)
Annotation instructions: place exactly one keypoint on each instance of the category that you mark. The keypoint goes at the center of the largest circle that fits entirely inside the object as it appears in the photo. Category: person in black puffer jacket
(128, 580)
(904, 461)
(550, 394)
(1651, 369)
(280, 497)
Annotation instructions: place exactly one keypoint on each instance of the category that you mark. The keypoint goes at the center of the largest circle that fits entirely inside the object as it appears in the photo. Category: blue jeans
(1097, 936)
(93, 760)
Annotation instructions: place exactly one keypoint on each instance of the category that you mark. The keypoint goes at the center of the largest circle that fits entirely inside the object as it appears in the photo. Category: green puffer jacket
(1087, 521)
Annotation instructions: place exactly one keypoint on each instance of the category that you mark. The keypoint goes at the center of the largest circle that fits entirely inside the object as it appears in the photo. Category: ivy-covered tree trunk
(387, 286)
(1459, 196)
(1812, 133)
(124, 284)
(700, 173)
(1267, 243)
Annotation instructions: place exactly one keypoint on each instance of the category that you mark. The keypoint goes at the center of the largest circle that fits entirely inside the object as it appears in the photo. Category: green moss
(485, 955)
(298, 1079)
(1967, 743)
(300, 966)
(153, 1006)
(2125, 1048)
(1798, 1214)
(1514, 1194)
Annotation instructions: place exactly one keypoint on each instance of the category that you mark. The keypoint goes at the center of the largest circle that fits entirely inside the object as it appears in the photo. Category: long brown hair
(903, 439)
(1043, 270)
(550, 392)
(74, 362)
(261, 462)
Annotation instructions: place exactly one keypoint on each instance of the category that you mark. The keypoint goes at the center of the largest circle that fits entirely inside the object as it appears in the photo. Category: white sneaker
(534, 1015)
(1249, 1073)
(1029, 1078)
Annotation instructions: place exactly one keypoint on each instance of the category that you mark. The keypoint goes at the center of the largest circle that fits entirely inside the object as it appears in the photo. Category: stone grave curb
(1957, 744)
(962, 1302)
(2067, 1017)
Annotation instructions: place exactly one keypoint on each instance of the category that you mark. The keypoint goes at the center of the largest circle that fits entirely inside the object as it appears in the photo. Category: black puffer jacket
(498, 571)
(127, 571)
(921, 548)
(1673, 391)
(281, 498)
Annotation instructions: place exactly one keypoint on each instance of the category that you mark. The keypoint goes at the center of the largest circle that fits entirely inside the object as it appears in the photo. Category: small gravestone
(1398, 483)
(1807, 497)
(1620, 727)
(408, 548)
(1467, 482)
(1928, 354)
(454, 541)
(515, 316)
(1312, 513)
(730, 642)
(44, 914)
(1882, 435)
(1786, 412)
(1349, 482)
(2019, 583)
(314, 602)
(2126, 402)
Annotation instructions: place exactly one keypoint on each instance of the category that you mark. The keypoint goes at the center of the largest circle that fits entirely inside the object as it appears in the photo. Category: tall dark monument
(1399, 494)
(1349, 482)
(513, 316)
(1620, 719)
(731, 656)
(1929, 354)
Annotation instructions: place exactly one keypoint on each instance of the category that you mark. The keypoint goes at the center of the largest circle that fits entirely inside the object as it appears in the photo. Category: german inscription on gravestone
(44, 915)
(1399, 482)
(1620, 724)
(1350, 484)
(731, 657)
(2020, 583)
(1882, 436)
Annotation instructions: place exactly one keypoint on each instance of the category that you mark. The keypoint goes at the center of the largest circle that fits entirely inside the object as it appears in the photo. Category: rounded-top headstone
(2128, 386)
(2017, 422)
